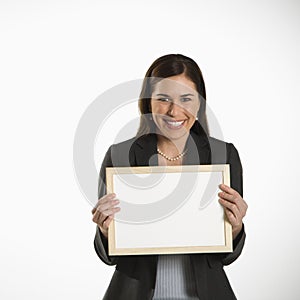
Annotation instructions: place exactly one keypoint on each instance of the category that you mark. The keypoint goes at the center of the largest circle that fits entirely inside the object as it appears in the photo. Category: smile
(174, 124)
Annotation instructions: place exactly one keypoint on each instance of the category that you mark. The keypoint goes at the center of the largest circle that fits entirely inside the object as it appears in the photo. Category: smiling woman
(174, 104)
(173, 131)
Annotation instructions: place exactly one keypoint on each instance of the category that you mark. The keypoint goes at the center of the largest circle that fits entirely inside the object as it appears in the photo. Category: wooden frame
(187, 229)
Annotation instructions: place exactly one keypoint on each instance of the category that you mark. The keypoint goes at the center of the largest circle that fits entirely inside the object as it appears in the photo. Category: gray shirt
(175, 278)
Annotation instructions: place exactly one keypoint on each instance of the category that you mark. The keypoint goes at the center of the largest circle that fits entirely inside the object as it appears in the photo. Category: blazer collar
(198, 150)
(144, 150)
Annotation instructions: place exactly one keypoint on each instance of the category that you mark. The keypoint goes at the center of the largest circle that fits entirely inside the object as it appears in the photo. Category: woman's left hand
(235, 207)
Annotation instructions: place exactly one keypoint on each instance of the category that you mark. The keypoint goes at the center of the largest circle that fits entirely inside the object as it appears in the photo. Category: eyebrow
(165, 95)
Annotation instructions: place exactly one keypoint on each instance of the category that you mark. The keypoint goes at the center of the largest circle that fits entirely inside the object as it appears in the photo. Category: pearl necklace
(171, 158)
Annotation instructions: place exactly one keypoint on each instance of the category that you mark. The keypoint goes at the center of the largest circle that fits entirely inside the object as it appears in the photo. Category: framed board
(168, 210)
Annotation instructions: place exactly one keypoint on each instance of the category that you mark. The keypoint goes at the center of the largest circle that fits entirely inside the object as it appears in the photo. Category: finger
(243, 207)
(107, 205)
(232, 207)
(110, 212)
(231, 217)
(106, 214)
(235, 222)
(227, 189)
(96, 217)
(106, 198)
(234, 216)
(107, 222)
(99, 217)
(103, 200)
(229, 197)
(238, 201)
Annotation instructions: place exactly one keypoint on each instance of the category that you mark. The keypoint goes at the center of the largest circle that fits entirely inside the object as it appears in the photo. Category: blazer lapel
(198, 150)
(144, 151)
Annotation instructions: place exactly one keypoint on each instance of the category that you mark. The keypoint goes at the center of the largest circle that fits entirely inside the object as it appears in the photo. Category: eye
(186, 99)
(164, 99)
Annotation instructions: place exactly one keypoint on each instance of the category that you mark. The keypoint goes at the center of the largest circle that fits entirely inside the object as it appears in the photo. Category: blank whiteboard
(168, 210)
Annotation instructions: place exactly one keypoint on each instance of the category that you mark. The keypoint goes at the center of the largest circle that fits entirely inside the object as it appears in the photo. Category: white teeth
(176, 124)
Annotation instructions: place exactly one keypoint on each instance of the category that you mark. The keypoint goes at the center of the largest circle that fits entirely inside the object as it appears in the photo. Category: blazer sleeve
(236, 182)
(100, 241)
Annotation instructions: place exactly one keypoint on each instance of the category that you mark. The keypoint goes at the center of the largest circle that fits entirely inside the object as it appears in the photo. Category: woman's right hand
(104, 211)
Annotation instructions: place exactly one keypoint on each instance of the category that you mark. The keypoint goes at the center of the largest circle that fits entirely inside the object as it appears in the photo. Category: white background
(56, 57)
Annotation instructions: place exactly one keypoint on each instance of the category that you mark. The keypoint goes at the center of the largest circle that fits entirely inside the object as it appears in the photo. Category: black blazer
(135, 276)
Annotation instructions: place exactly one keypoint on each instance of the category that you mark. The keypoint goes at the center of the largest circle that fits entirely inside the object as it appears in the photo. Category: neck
(172, 147)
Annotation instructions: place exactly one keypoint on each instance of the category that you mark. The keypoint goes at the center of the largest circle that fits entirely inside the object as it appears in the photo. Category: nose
(174, 109)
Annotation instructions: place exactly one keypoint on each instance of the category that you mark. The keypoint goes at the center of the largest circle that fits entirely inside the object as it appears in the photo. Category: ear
(197, 114)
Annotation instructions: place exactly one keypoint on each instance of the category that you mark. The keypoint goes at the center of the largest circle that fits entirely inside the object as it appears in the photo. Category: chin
(174, 135)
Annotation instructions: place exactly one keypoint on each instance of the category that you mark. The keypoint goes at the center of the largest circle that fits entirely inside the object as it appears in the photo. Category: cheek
(193, 109)
(159, 108)
(154, 106)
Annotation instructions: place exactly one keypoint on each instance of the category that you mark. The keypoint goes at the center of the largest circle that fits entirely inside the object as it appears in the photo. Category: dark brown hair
(164, 67)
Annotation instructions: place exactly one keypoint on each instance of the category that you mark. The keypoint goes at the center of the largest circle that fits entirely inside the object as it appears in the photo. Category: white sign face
(168, 210)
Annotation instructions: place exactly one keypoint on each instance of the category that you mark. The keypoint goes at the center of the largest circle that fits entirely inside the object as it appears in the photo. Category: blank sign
(168, 210)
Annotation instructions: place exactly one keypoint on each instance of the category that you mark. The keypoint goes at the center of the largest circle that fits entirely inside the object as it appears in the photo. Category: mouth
(174, 124)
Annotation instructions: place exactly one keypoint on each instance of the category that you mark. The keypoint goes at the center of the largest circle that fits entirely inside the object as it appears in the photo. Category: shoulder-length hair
(164, 67)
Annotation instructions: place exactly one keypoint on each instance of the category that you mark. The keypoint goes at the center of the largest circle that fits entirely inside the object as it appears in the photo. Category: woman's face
(175, 104)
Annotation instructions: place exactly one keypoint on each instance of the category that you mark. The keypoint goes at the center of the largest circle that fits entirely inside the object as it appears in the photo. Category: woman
(173, 131)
